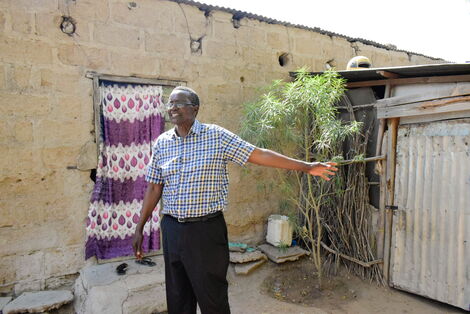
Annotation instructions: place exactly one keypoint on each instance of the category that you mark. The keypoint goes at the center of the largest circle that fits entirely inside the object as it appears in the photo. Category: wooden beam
(390, 193)
(423, 108)
(412, 80)
(97, 113)
(135, 80)
(388, 74)
(436, 91)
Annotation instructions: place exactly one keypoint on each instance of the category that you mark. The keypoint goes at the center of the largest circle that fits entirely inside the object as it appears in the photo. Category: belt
(197, 219)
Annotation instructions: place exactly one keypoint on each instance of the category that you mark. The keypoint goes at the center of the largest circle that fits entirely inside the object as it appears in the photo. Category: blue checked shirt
(193, 169)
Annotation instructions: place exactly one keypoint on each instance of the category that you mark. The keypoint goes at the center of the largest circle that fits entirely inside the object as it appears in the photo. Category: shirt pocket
(170, 166)
(203, 161)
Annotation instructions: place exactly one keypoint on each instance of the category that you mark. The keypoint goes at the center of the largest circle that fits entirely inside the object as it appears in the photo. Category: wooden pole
(390, 189)
(380, 170)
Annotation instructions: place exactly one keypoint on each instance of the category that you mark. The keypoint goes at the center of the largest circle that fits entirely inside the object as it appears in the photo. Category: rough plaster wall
(46, 109)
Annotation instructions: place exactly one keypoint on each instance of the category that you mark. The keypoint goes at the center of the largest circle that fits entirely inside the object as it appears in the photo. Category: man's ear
(196, 108)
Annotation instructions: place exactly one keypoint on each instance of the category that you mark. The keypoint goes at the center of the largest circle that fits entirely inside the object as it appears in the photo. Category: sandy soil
(288, 288)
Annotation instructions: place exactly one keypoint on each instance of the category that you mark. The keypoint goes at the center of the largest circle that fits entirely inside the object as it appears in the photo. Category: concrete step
(99, 289)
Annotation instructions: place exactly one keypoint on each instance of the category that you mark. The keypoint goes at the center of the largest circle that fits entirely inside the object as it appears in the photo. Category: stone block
(61, 282)
(221, 16)
(15, 160)
(19, 240)
(253, 36)
(93, 58)
(29, 267)
(171, 68)
(134, 64)
(176, 46)
(2, 77)
(25, 51)
(21, 21)
(192, 22)
(23, 132)
(28, 286)
(68, 108)
(63, 261)
(4, 301)
(23, 105)
(55, 134)
(278, 40)
(7, 270)
(38, 302)
(117, 36)
(88, 10)
(2, 21)
(224, 31)
(88, 156)
(34, 5)
(71, 82)
(19, 77)
(146, 14)
(305, 45)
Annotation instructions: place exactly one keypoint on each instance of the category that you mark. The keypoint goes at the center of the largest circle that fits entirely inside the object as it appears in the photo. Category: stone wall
(46, 108)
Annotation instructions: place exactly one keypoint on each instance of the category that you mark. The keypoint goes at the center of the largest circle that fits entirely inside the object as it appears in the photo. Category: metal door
(431, 227)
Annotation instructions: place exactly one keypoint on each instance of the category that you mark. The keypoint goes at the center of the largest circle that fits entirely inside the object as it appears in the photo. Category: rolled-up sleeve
(154, 172)
(235, 148)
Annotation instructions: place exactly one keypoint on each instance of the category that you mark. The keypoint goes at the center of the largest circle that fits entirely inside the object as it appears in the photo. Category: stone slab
(239, 257)
(280, 256)
(4, 301)
(38, 302)
(141, 290)
(246, 268)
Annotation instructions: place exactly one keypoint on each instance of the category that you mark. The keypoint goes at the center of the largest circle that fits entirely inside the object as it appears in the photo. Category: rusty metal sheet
(431, 229)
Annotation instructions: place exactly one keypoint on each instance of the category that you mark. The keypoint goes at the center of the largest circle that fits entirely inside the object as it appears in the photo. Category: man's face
(178, 114)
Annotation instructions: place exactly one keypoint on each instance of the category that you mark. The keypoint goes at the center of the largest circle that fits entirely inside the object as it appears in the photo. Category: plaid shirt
(193, 169)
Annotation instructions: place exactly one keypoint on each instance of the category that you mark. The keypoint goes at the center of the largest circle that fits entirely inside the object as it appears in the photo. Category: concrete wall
(46, 109)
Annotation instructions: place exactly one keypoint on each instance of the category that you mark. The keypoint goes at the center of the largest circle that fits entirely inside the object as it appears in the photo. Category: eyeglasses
(178, 106)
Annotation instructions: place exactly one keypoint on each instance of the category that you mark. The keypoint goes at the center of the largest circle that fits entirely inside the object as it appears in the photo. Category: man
(188, 170)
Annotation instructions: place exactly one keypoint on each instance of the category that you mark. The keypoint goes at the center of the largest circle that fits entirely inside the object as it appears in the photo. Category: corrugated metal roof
(431, 235)
(404, 71)
(242, 14)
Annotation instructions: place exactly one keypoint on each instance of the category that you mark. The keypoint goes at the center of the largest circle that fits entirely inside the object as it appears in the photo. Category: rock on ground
(38, 302)
(238, 257)
(245, 269)
(280, 256)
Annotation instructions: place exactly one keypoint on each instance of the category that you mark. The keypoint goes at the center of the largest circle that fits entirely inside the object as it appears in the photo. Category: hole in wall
(236, 20)
(242, 79)
(196, 46)
(284, 59)
(68, 25)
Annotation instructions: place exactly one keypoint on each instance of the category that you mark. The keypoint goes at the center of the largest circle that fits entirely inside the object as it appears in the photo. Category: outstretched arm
(269, 158)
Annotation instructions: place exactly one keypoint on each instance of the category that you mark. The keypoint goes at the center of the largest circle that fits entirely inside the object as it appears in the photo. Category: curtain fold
(132, 118)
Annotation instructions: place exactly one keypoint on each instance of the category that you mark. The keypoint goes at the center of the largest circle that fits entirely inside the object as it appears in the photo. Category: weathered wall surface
(46, 112)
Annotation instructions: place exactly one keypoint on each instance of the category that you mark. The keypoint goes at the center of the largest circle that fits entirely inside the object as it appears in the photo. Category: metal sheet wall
(431, 229)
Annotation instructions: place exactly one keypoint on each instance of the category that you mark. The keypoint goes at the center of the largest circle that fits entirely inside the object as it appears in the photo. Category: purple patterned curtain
(131, 120)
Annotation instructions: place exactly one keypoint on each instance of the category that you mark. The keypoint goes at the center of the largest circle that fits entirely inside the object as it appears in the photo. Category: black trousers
(196, 262)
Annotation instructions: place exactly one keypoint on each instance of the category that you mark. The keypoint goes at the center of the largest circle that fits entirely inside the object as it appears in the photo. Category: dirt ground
(291, 288)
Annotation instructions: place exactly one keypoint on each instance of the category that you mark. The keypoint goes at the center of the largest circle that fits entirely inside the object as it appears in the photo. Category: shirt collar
(195, 128)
